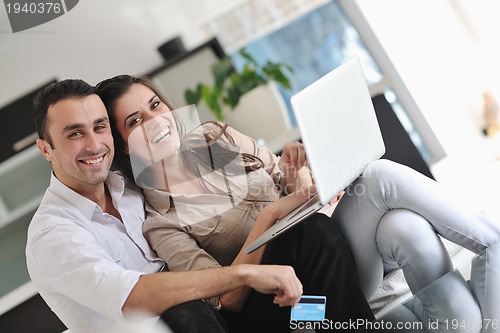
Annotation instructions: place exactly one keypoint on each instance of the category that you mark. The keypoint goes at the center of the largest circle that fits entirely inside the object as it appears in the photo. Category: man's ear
(44, 148)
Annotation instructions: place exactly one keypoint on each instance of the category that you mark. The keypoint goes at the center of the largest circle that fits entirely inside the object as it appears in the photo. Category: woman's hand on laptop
(293, 157)
(293, 163)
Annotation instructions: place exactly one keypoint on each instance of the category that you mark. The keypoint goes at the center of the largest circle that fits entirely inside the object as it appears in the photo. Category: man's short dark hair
(53, 93)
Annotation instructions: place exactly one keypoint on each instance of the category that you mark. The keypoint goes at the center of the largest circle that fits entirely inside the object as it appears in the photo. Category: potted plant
(230, 85)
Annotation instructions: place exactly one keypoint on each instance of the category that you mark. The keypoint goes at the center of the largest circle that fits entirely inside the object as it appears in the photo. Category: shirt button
(210, 225)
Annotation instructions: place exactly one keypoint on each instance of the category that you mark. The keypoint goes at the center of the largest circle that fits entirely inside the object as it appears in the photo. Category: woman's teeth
(160, 136)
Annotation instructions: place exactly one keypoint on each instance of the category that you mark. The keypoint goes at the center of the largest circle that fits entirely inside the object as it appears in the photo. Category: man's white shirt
(84, 262)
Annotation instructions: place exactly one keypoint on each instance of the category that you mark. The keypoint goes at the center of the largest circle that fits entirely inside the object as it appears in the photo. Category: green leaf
(221, 70)
(247, 56)
(232, 98)
(193, 97)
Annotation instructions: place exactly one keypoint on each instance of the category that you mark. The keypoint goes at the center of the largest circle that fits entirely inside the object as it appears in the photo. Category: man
(85, 250)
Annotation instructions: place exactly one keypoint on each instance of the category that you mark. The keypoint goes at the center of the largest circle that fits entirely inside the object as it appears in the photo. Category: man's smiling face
(82, 144)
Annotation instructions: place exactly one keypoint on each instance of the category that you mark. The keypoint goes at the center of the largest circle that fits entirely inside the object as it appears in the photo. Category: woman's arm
(234, 300)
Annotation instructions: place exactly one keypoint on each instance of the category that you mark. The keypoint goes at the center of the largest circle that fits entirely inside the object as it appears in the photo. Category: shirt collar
(158, 200)
(114, 182)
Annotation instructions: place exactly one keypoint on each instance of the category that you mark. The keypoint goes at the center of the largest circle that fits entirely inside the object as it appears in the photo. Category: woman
(390, 216)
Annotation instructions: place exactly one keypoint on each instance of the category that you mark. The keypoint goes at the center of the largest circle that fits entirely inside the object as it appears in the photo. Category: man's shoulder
(55, 209)
(61, 205)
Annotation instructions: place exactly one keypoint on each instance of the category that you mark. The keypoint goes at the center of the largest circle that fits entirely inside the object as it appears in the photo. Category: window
(314, 37)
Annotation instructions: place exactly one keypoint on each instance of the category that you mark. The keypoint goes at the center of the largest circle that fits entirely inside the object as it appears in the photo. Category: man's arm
(158, 292)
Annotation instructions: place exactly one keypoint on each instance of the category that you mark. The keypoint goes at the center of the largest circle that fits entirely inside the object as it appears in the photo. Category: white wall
(95, 40)
(443, 60)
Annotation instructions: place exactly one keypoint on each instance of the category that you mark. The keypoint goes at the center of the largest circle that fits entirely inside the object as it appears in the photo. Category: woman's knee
(380, 168)
(386, 172)
(376, 176)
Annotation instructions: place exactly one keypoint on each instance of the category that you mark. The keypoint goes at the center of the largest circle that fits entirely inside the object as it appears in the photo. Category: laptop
(341, 136)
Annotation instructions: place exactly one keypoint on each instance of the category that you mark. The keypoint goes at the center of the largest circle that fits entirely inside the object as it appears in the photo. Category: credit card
(309, 308)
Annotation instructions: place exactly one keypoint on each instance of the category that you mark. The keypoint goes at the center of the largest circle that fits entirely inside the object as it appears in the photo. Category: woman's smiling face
(146, 124)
